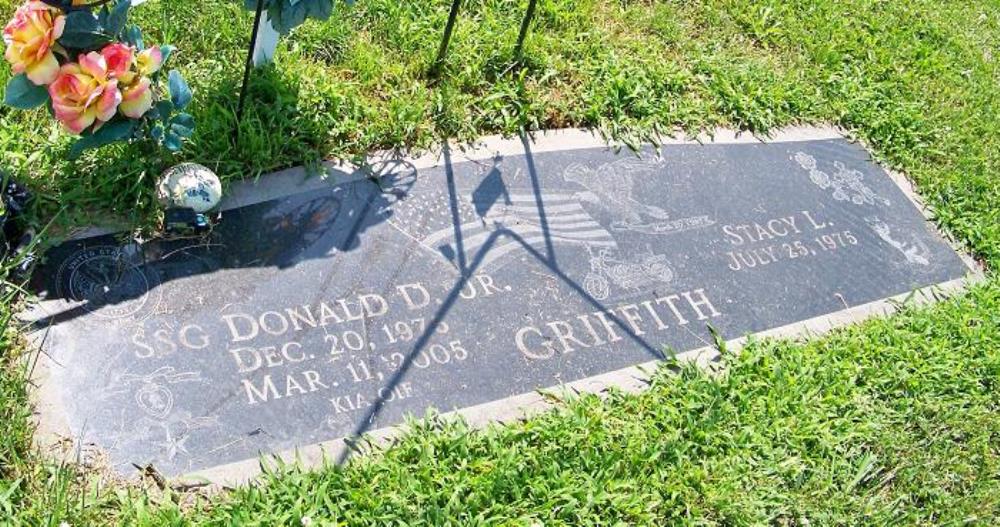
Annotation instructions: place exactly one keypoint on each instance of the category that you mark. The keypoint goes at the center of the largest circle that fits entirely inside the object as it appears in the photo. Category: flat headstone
(344, 308)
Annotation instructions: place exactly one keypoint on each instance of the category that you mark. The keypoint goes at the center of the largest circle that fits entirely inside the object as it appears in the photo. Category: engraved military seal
(110, 281)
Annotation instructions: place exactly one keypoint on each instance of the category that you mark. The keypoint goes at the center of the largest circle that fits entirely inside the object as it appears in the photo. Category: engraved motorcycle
(606, 270)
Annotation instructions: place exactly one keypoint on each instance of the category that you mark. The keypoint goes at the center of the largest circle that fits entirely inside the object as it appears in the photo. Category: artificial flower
(119, 58)
(137, 99)
(149, 61)
(31, 37)
(85, 93)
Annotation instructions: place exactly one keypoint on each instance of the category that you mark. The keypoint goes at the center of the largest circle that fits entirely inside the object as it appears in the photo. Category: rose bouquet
(91, 68)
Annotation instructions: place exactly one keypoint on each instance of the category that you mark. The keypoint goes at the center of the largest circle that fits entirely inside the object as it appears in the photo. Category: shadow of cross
(490, 190)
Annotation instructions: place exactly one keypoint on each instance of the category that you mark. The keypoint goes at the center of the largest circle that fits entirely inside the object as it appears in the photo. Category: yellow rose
(137, 99)
(30, 38)
(85, 93)
(149, 61)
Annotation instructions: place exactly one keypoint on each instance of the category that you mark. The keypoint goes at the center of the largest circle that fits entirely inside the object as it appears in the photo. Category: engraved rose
(805, 160)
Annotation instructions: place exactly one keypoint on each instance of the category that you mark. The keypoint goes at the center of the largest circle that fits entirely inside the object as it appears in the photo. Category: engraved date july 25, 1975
(791, 237)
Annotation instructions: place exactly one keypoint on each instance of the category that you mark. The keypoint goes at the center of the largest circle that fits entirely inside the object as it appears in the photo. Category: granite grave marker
(337, 311)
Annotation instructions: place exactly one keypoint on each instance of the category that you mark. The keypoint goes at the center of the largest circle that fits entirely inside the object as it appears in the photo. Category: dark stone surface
(348, 308)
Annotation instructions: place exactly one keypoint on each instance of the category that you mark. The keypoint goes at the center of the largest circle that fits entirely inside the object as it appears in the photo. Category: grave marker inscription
(334, 312)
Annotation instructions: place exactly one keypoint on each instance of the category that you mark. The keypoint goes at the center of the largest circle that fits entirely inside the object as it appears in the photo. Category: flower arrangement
(91, 68)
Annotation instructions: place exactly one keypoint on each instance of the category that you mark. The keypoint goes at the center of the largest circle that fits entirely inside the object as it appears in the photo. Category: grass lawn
(894, 422)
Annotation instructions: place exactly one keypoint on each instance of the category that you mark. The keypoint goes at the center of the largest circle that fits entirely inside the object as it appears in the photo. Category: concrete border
(632, 379)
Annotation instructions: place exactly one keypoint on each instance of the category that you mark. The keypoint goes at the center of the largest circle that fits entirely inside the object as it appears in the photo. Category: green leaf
(109, 133)
(133, 36)
(23, 94)
(83, 31)
(113, 20)
(163, 110)
(285, 15)
(183, 125)
(172, 141)
(167, 51)
(180, 93)
(81, 21)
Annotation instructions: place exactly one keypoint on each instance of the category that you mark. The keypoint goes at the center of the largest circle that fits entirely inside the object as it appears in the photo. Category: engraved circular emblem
(108, 281)
(155, 400)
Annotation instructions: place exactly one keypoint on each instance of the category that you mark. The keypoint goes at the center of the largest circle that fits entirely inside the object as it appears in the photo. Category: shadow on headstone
(489, 192)
(502, 219)
(278, 233)
(485, 196)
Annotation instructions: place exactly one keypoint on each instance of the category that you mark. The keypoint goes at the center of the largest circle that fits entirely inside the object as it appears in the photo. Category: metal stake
(524, 30)
(246, 70)
(443, 50)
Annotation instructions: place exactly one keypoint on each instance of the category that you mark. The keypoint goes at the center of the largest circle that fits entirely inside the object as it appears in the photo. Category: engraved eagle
(611, 187)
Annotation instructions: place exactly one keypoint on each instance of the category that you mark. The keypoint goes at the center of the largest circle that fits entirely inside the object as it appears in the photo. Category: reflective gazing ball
(190, 185)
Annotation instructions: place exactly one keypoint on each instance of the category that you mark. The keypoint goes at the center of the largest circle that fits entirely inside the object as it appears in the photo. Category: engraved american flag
(444, 226)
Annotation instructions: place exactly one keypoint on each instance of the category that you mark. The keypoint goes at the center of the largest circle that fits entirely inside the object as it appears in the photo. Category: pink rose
(30, 37)
(119, 58)
(85, 93)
